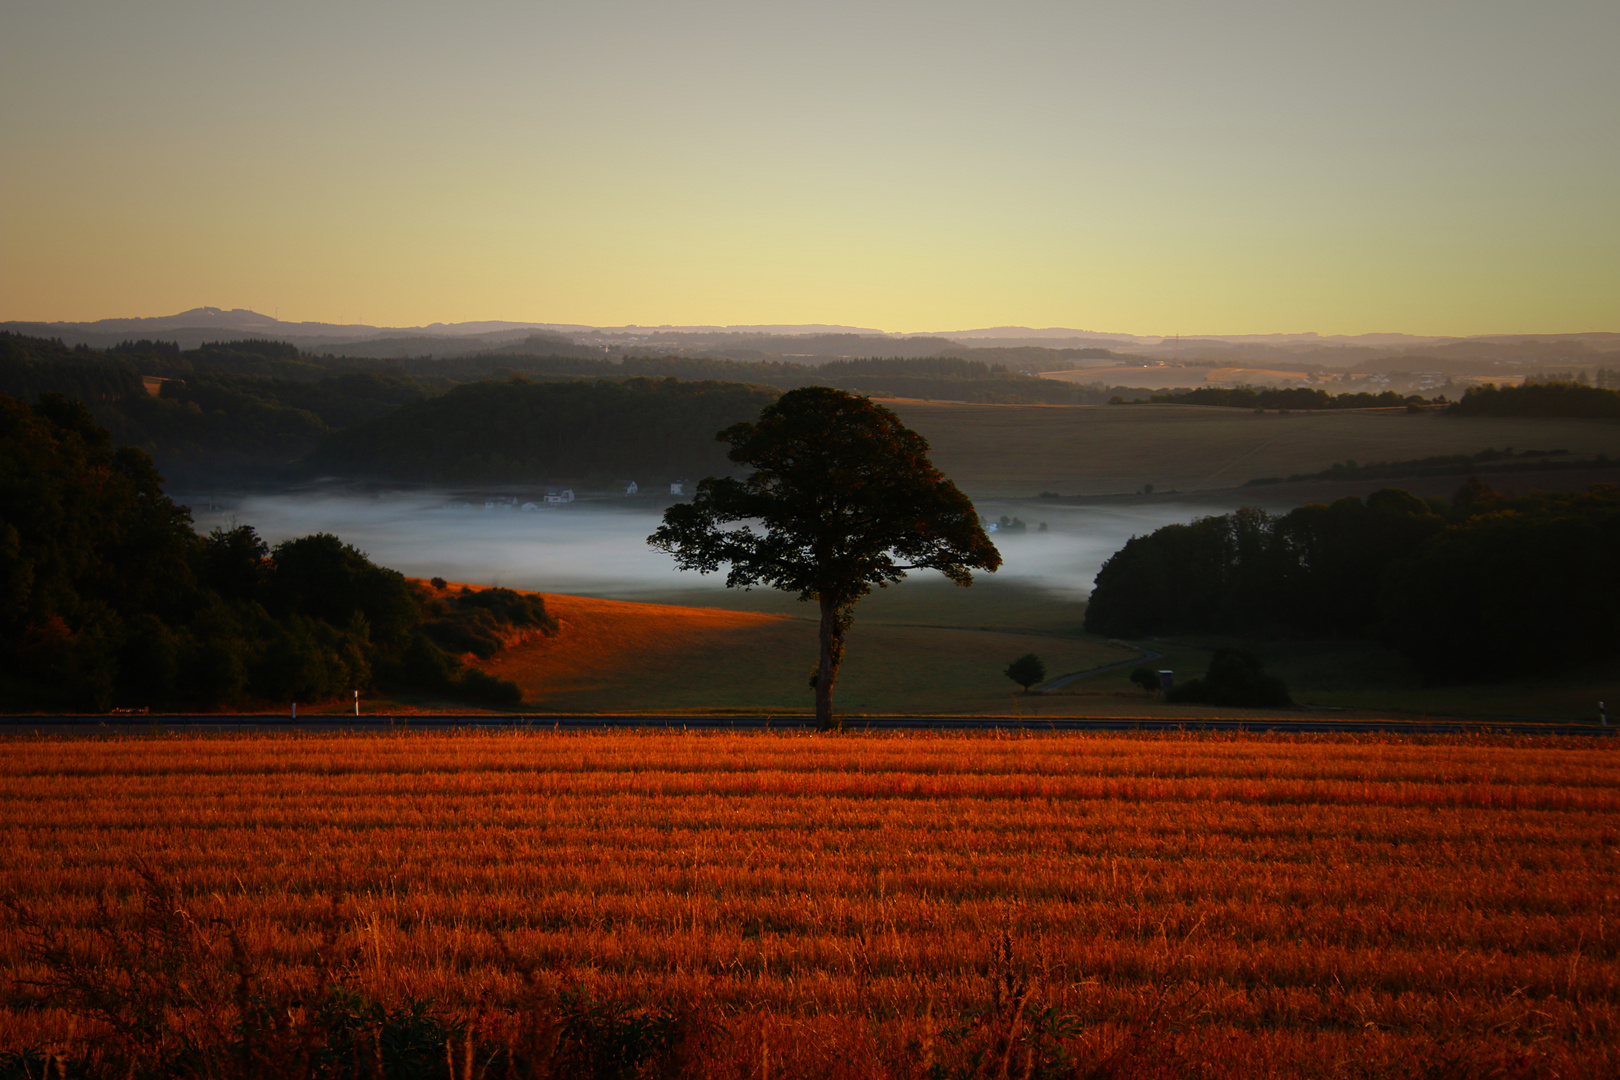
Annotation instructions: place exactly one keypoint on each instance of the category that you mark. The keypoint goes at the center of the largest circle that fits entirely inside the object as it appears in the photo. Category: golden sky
(1156, 168)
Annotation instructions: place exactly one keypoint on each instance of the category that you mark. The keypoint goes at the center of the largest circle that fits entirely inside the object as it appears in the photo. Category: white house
(559, 496)
(678, 487)
(631, 487)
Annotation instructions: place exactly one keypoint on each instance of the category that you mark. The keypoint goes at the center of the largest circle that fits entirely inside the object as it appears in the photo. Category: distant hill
(821, 342)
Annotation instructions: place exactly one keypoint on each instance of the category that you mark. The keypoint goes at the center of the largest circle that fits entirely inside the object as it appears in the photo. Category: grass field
(834, 906)
(1022, 450)
(932, 648)
(613, 656)
(1363, 679)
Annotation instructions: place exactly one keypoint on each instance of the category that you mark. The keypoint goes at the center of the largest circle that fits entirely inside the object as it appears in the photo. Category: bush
(475, 685)
(1236, 677)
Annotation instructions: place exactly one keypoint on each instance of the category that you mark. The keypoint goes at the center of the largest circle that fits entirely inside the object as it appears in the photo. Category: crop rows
(1295, 900)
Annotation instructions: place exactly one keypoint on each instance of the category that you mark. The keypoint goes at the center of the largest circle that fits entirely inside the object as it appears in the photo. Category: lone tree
(1026, 671)
(842, 497)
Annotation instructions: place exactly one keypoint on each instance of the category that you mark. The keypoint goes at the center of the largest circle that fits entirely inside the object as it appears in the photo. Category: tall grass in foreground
(748, 905)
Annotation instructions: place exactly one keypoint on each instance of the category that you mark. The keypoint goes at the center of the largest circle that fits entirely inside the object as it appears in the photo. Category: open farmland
(859, 906)
(1022, 450)
(616, 656)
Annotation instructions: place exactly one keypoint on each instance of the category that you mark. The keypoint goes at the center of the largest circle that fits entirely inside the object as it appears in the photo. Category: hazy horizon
(226, 320)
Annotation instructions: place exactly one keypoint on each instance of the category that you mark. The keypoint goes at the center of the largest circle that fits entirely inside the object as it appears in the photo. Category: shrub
(1146, 678)
(1236, 677)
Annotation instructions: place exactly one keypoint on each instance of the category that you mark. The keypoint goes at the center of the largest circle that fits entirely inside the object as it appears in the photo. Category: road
(1147, 657)
(110, 725)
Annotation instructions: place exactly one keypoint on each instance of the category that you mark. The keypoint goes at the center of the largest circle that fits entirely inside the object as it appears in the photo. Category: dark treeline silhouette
(1295, 397)
(522, 431)
(1540, 399)
(244, 411)
(109, 597)
(226, 412)
(30, 367)
(948, 378)
(1488, 586)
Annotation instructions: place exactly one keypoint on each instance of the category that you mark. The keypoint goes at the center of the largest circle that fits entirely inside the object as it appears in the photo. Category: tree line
(109, 597)
(939, 377)
(246, 411)
(1486, 586)
(229, 412)
(1293, 397)
(1540, 399)
(523, 431)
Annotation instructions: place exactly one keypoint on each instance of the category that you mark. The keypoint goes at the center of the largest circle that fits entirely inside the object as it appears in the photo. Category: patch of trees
(1295, 397)
(1540, 399)
(109, 597)
(1489, 586)
(526, 431)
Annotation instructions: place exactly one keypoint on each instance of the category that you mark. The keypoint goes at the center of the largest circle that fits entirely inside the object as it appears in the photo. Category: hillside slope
(1023, 450)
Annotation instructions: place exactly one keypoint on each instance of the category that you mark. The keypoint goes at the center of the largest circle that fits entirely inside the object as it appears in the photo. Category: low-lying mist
(600, 548)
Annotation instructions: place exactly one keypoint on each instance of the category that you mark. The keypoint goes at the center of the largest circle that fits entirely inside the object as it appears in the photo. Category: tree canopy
(1026, 671)
(842, 497)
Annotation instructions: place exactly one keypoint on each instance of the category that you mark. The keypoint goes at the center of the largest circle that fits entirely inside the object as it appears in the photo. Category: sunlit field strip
(1301, 884)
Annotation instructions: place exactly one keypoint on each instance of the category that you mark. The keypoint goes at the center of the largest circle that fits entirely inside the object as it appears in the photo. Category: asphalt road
(110, 725)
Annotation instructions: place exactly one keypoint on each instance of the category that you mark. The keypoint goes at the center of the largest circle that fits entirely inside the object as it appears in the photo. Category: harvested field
(1217, 907)
(1022, 450)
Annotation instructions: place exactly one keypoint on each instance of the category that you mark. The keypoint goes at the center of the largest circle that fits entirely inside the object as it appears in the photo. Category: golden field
(858, 906)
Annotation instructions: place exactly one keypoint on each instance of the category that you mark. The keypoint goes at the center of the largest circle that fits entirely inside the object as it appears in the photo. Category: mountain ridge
(197, 325)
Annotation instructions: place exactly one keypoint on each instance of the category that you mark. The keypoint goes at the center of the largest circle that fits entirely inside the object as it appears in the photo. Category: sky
(1147, 167)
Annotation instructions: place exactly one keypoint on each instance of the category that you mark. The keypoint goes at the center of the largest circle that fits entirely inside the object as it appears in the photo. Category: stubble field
(820, 906)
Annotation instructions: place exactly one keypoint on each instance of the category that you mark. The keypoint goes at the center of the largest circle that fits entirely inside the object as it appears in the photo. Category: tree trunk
(833, 623)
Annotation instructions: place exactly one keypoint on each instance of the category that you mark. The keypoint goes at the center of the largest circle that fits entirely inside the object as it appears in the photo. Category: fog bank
(600, 548)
